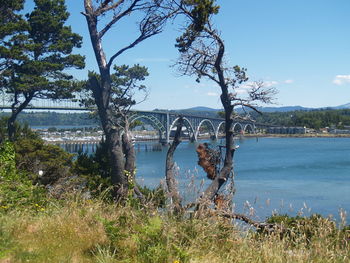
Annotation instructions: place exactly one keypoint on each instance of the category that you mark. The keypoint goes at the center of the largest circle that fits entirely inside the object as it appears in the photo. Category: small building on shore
(340, 131)
(286, 130)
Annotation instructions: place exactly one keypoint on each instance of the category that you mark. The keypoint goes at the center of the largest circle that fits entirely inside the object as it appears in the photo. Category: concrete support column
(167, 128)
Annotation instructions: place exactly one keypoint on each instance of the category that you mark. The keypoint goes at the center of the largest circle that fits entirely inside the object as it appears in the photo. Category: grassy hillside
(35, 227)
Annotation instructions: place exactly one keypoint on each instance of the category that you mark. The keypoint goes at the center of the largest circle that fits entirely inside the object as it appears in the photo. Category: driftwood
(267, 227)
(220, 211)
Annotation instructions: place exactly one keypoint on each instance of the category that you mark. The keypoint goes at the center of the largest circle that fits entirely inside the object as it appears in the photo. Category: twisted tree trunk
(170, 167)
(227, 168)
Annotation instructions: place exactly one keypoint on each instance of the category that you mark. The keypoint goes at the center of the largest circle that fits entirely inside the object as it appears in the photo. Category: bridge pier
(167, 128)
(193, 138)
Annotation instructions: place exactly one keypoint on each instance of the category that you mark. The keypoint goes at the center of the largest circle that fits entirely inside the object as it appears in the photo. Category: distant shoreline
(306, 135)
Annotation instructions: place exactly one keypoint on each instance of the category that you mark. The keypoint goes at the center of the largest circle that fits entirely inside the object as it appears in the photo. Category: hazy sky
(301, 47)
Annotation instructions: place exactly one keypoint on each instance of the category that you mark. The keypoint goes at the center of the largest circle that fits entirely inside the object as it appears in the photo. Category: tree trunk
(11, 129)
(118, 176)
(129, 152)
(113, 134)
(169, 169)
(226, 170)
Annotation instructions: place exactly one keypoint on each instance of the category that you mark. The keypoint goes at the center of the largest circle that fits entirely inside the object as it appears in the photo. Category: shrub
(32, 155)
(16, 189)
(309, 229)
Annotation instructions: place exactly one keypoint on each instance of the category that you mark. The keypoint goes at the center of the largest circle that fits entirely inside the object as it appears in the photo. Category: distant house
(345, 130)
(339, 131)
(286, 130)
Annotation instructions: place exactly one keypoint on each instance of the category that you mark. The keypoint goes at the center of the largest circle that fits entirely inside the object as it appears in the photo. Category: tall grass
(93, 231)
(37, 228)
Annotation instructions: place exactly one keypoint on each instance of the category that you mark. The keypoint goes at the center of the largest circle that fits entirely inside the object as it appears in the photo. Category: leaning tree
(101, 16)
(202, 54)
(35, 51)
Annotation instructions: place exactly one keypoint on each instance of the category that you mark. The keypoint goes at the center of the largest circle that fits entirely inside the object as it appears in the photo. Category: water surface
(287, 175)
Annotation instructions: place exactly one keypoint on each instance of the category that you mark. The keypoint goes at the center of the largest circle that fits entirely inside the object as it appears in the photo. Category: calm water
(287, 175)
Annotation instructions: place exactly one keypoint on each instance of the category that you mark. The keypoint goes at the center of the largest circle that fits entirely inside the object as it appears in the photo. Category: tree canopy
(36, 49)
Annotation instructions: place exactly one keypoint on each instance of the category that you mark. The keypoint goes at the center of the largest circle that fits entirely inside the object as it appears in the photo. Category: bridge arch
(237, 127)
(248, 128)
(218, 128)
(199, 126)
(187, 124)
(153, 121)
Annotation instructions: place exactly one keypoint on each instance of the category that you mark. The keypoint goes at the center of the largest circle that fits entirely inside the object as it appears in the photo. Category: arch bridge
(165, 122)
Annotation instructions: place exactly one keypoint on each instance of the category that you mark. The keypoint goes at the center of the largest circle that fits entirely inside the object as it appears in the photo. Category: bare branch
(117, 16)
(149, 26)
(104, 7)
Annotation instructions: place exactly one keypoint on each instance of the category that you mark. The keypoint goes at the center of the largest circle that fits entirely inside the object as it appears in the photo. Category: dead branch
(267, 227)
(208, 160)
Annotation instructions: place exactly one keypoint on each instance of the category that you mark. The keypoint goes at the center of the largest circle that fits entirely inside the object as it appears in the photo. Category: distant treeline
(55, 118)
(315, 119)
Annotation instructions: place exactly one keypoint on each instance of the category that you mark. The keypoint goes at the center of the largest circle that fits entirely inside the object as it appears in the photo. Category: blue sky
(300, 47)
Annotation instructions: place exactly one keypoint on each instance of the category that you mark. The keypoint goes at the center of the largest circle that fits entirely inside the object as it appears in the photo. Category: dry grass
(93, 231)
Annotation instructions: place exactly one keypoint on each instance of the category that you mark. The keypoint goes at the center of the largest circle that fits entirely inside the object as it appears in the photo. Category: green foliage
(151, 241)
(32, 156)
(97, 163)
(16, 189)
(136, 123)
(199, 12)
(307, 229)
(139, 238)
(35, 56)
(124, 83)
(23, 130)
(315, 119)
(7, 160)
(156, 196)
(96, 169)
(10, 20)
(51, 118)
(40, 52)
(98, 179)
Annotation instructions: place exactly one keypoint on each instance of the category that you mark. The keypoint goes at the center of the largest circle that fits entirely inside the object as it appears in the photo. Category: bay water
(272, 175)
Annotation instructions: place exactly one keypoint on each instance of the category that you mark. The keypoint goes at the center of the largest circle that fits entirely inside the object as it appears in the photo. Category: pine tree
(35, 51)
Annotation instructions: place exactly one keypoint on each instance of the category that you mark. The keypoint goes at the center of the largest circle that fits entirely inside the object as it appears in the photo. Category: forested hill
(55, 118)
(315, 119)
